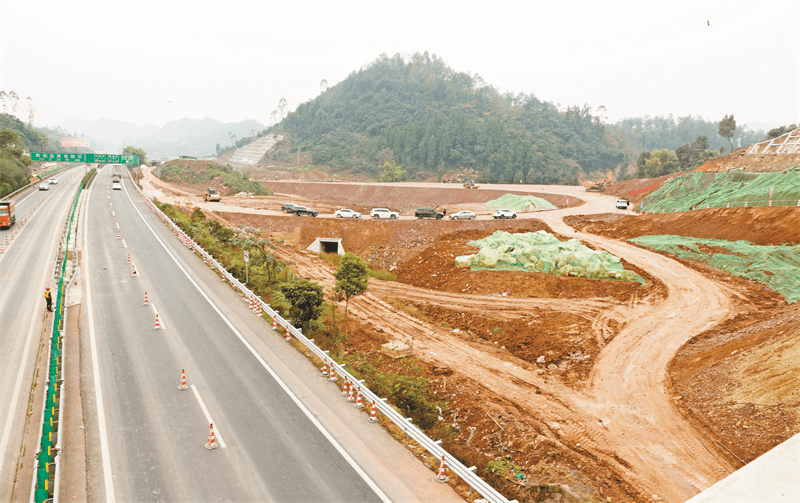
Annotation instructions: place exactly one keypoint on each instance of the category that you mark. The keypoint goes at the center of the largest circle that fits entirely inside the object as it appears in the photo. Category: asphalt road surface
(26, 268)
(280, 436)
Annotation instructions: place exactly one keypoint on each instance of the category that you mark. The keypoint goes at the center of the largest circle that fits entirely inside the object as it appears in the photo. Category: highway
(279, 438)
(26, 268)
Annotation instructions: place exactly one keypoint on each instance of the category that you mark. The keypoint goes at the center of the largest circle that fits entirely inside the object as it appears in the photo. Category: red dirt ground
(567, 321)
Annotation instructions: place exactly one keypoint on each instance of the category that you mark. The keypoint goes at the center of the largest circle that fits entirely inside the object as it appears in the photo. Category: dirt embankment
(521, 364)
(759, 225)
(403, 199)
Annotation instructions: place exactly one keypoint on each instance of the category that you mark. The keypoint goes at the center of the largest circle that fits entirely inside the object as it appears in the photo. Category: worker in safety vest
(49, 299)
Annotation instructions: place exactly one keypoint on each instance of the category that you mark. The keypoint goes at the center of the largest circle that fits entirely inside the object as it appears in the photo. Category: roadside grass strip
(776, 267)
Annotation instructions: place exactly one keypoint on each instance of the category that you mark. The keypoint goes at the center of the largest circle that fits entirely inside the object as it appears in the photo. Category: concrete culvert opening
(327, 245)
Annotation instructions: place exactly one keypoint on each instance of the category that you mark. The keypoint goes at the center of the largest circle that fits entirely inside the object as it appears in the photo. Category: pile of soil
(739, 381)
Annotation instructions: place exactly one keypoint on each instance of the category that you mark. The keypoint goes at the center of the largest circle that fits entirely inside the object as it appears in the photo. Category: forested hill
(432, 120)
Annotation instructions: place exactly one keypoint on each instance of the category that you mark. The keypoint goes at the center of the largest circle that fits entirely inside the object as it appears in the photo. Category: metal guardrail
(47, 461)
(467, 474)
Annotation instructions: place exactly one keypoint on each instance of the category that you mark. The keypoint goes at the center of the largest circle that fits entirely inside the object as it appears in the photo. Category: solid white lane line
(295, 399)
(208, 417)
(101, 417)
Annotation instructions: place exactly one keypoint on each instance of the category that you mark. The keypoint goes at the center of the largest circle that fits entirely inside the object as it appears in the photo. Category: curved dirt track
(624, 418)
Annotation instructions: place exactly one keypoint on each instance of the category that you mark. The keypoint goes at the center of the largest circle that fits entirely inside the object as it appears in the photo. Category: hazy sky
(153, 62)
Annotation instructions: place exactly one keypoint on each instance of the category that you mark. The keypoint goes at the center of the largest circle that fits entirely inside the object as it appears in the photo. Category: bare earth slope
(622, 420)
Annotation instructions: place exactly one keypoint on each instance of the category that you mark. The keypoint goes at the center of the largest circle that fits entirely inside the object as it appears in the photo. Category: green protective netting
(542, 252)
(722, 190)
(522, 203)
(777, 267)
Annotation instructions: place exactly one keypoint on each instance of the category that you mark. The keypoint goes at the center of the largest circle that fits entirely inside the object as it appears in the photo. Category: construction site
(631, 355)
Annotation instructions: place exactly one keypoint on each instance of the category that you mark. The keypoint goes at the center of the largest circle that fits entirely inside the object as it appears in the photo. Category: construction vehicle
(600, 185)
(470, 184)
(212, 195)
(7, 216)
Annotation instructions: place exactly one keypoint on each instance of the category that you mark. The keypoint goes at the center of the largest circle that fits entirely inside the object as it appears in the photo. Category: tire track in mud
(624, 419)
(658, 458)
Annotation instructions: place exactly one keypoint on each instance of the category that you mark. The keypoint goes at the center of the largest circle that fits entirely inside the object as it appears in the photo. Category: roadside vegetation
(224, 175)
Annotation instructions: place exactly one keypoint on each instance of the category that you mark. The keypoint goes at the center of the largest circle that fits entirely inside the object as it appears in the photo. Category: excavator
(600, 185)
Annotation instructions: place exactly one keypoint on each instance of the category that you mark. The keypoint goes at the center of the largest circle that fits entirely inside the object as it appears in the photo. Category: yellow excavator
(600, 185)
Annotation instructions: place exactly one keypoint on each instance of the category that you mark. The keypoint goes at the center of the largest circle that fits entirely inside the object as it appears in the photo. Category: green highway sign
(88, 158)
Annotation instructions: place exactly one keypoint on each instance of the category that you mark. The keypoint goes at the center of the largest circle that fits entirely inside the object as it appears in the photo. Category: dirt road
(624, 418)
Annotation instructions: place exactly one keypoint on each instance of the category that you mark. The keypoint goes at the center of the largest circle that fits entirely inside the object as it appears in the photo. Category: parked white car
(384, 213)
(501, 213)
(53, 181)
(345, 213)
(463, 215)
(622, 204)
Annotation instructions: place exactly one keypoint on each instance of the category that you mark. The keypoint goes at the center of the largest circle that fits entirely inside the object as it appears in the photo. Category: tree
(778, 131)
(306, 298)
(351, 278)
(727, 126)
(392, 172)
(662, 162)
(641, 162)
(136, 151)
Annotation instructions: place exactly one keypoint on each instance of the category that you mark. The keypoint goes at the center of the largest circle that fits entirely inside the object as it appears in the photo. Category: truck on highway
(212, 195)
(7, 216)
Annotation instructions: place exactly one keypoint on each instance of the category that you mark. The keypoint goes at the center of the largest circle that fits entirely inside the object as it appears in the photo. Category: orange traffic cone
(324, 370)
(288, 336)
(344, 387)
(258, 309)
(119, 234)
(350, 397)
(134, 271)
(183, 380)
(373, 414)
(129, 258)
(145, 299)
(441, 477)
(158, 324)
(252, 306)
(212, 441)
(275, 324)
(358, 403)
(333, 374)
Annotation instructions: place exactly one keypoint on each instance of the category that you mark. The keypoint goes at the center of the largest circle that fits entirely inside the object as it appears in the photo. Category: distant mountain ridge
(192, 137)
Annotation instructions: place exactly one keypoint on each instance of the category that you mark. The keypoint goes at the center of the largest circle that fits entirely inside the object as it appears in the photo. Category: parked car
(304, 211)
(345, 213)
(44, 186)
(116, 186)
(428, 213)
(463, 215)
(622, 204)
(384, 213)
(53, 181)
(502, 213)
